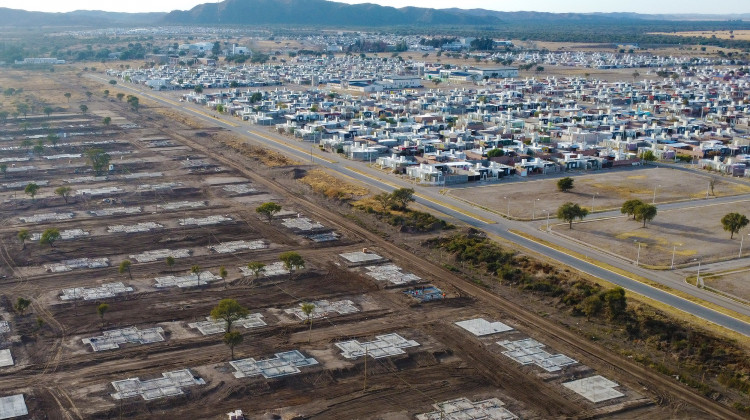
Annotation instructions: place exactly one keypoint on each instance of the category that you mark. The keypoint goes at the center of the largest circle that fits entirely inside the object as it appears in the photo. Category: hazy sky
(639, 6)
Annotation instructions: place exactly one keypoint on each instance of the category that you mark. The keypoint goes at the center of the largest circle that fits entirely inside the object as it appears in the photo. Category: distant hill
(15, 17)
(320, 12)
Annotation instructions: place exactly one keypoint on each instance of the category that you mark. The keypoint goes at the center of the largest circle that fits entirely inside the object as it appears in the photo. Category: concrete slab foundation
(64, 234)
(45, 217)
(13, 406)
(98, 191)
(111, 340)
(213, 326)
(115, 211)
(529, 351)
(360, 258)
(188, 280)
(283, 364)
(323, 237)
(234, 246)
(205, 221)
(270, 270)
(179, 205)
(324, 308)
(170, 384)
(4, 327)
(6, 359)
(240, 189)
(104, 291)
(302, 224)
(595, 388)
(392, 274)
(384, 346)
(480, 327)
(138, 227)
(69, 265)
(464, 409)
(160, 254)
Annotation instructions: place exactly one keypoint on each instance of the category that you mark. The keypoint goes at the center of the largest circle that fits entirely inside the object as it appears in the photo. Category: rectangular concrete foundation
(64, 235)
(324, 308)
(6, 359)
(595, 388)
(529, 351)
(283, 364)
(69, 265)
(464, 409)
(106, 290)
(111, 340)
(138, 227)
(46, 217)
(214, 326)
(170, 384)
(270, 270)
(115, 211)
(13, 406)
(234, 246)
(189, 280)
(240, 189)
(384, 346)
(179, 205)
(392, 274)
(360, 258)
(160, 254)
(302, 224)
(205, 221)
(480, 327)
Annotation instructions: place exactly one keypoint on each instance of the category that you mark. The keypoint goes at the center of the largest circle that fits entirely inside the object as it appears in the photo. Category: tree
(120, 95)
(22, 109)
(53, 139)
(83, 108)
(648, 156)
(229, 311)
(21, 305)
(385, 200)
(31, 189)
(49, 236)
(733, 223)
(645, 212)
(113, 82)
(3, 169)
(307, 309)
(67, 96)
(88, 95)
(63, 192)
(616, 302)
(48, 110)
(629, 207)
(292, 261)
(570, 211)
(712, 184)
(268, 209)
(134, 102)
(101, 310)
(231, 339)
(198, 89)
(565, 184)
(223, 274)
(23, 235)
(592, 306)
(402, 197)
(98, 159)
(106, 93)
(436, 81)
(107, 120)
(125, 266)
(170, 262)
(495, 153)
(257, 268)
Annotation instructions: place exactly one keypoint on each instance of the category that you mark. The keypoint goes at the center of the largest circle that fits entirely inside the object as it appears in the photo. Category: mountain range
(320, 13)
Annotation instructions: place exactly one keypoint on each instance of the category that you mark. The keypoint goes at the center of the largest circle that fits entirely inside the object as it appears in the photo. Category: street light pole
(638, 258)
(592, 201)
(674, 248)
(698, 277)
(533, 211)
(507, 214)
(654, 200)
(741, 240)
(547, 220)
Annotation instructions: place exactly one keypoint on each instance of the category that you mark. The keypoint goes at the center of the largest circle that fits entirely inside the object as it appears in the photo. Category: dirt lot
(610, 188)
(734, 283)
(160, 166)
(694, 233)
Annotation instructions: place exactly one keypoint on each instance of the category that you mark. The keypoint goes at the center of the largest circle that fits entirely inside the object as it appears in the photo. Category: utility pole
(364, 387)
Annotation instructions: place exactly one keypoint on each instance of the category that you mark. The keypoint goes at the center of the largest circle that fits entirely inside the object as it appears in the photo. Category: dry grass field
(740, 35)
(609, 188)
(734, 283)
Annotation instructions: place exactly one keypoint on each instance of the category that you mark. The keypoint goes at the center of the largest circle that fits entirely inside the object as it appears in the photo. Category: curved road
(487, 221)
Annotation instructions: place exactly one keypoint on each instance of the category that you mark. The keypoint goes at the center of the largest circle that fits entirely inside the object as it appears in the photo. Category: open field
(740, 35)
(609, 188)
(733, 283)
(174, 190)
(694, 234)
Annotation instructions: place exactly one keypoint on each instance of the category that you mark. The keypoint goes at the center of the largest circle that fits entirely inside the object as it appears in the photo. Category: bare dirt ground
(62, 378)
(733, 283)
(693, 234)
(609, 188)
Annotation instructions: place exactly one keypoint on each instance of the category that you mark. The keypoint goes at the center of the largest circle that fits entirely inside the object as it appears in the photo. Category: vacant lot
(693, 234)
(735, 283)
(608, 188)
(738, 35)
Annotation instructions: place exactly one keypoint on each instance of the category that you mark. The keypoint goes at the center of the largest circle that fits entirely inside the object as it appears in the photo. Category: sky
(557, 6)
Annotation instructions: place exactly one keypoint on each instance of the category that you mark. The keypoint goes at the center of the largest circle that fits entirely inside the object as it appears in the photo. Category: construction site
(391, 334)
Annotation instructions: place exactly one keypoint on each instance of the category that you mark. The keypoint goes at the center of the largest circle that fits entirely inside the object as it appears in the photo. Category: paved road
(490, 222)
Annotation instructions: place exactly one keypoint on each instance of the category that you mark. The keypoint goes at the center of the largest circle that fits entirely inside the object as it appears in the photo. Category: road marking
(446, 205)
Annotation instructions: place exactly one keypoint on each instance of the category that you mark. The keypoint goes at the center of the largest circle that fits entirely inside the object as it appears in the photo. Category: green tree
(198, 89)
(125, 267)
(49, 237)
(645, 212)
(629, 207)
(113, 82)
(4, 116)
(565, 184)
(170, 262)
(53, 139)
(21, 305)
(570, 211)
(229, 311)
(63, 192)
(106, 93)
(592, 306)
(31, 189)
(101, 310)
(98, 159)
(107, 120)
(292, 261)
(402, 197)
(733, 223)
(23, 235)
(4, 169)
(88, 95)
(648, 156)
(48, 110)
(268, 209)
(308, 309)
(495, 153)
(257, 268)
(223, 274)
(83, 108)
(232, 339)
(120, 95)
(22, 108)
(134, 102)
(385, 200)
(616, 302)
